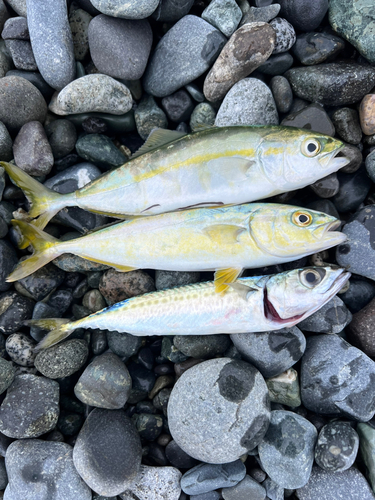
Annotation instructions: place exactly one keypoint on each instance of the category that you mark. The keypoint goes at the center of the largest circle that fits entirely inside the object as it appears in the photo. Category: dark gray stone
(15, 28)
(170, 279)
(107, 453)
(225, 15)
(148, 116)
(79, 21)
(8, 259)
(333, 317)
(42, 310)
(62, 137)
(18, 6)
(285, 35)
(282, 93)
(201, 346)
(178, 106)
(244, 490)
(22, 54)
(277, 64)
(315, 48)
(4, 14)
(260, 14)
(43, 281)
(123, 344)
(20, 348)
(115, 123)
(339, 385)
(370, 165)
(360, 293)
(14, 310)
(208, 477)
(177, 456)
(36, 79)
(149, 426)
(354, 155)
(312, 117)
(287, 450)
(346, 122)
(353, 190)
(337, 447)
(7, 372)
(6, 144)
(100, 150)
(170, 11)
(304, 15)
(32, 151)
(202, 117)
(327, 187)
(62, 360)
(284, 389)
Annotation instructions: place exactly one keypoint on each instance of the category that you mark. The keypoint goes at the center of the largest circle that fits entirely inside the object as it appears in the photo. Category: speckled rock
(123, 344)
(312, 117)
(284, 388)
(100, 150)
(202, 399)
(248, 48)
(274, 491)
(203, 116)
(43, 281)
(367, 114)
(14, 310)
(287, 450)
(225, 15)
(148, 116)
(333, 317)
(337, 447)
(32, 151)
(20, 348)
(304, 15)
(315, 48)
(6, 143)
(285, 35)
(35, 78)
(63, 359)
(79, 21)
(209, 477)
(105, 383)
(116, 286)
(133, 9)
(154, 483)
(30, 408)
(22, 54)
(8, 260)
(342, 385)
(244, 490)
(170, 279)
(346, 122)
(7, 372)
(169, 11)
(202, 346)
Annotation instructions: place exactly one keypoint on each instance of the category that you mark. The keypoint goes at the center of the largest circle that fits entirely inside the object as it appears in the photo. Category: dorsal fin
(157, 138)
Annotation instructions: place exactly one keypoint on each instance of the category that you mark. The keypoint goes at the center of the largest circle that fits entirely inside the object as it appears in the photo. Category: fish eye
(302, 219)
(312, 277)
(310, 147)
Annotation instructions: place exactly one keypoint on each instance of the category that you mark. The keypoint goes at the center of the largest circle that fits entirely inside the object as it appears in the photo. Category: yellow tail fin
(45, 250)
(60, 329)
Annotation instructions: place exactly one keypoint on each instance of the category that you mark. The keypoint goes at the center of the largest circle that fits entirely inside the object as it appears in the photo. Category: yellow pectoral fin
(224, 234)
(118, 267)
(242, 290)
(223, 278)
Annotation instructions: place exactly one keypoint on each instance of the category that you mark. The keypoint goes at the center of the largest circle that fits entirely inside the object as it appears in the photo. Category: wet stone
(282, 93)
(285, 35)
(14, 310)
(62, 137)
(93, 300)
(202, 346)
(360, 293)
(284, 388)
(63, 359)
(343, 385)
(367, 114)
(225, 15)
(30, 408)
(271, 352)
(123, 344)
(43, 281)
(143, 380)
(245, 489)
(178, 458)
(337, 447)
(312, 117)
(100, 150)
(60, 300)
(287, 450)
(7, 371)
(202, 117)
(154, 483)
(148, 116)
(116, 286)
(353, 190)
(149, 426)
(20, 348)
(346, 122)
(228, 430)
(333, 317)
(315, 48)
(304, 15)
(8, 260)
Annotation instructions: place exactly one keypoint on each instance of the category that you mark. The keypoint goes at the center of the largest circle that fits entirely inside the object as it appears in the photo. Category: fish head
(292, 158)
(292, 296)
(286, 231)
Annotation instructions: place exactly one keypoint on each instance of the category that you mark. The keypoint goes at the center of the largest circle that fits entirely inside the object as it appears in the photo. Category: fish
(225, 240)
(254, 304)
(213, 167)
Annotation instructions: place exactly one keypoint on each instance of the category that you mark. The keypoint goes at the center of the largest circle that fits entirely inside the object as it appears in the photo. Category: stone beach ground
(103, 415)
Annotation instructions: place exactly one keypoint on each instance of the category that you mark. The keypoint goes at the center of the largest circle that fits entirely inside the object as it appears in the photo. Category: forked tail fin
(45, 250)
(60, 329)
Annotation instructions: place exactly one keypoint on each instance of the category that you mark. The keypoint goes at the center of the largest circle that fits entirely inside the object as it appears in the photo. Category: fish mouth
(328, 235)
(272, 315)
(333, 161)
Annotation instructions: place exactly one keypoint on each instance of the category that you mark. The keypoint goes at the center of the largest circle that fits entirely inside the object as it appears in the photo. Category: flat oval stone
(32, 151)
(337, 447)
(311, 117)
(282, 93)
(154, 483)
(287, 450)
(51, 40)
(20, 348)
(132, 9)
(63, 359)
(208, 477)
(7, 372)
(367, 114)
(303, 14)
(107, 453)
(14, 310)
(346, 122)
(277, 64)
(244, 490)
(225, 15)
(314, 48)
(184, 53)
(233, 398)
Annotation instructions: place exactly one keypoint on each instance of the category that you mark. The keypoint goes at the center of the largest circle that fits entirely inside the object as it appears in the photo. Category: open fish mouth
(334, 159)
(272, 315)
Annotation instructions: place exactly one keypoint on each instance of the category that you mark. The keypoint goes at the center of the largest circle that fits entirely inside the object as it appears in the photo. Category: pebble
(100, 150)
(353, 190)
(7, 372)
(225, 15)
(260, 14)
(273, 490)
(355, 157)
(178, 106)
(8, 259)
(370, 165)
(18, 6)
(148, 116)
(367, 114)
(284, 388)
(30, 408)
(304, 15)
(43, 281)
(35, 78)
(6, 143)
(120, 47)
(170, 279)
(96, 92)
(360, 330)
(14, 310)
(170, 11)
(114, 123)
(360, 293)
(244, 490)
(312, 117)
(271, 352)
(134, 9)
(105, 383)
(282, 93)
(98, 342)
(63, 359)
(20, 348)
(94, 301)
(249, 102)
(201, 346)
(331, 485)
(149, 426)
(143, 380)
(276, 64)
(203, 116)
(367, 449)
(42, 470)
(314, 48)
(327, 187)
(32, 151)
(107, 452)
(208, 477)
(211, 495)
(22, 54)
(52, 42)
(346, 122)
(228, 430)
(18, 93)
(249, 47)
(184, 53)
(333, 317)
(337, 386)
(285, 35)
(337, 447)
(116, 286)
(62, 137)
(123, 344)
(177, 456)
(79, 21)
(154, 483)
(287, 450)
(334, 84)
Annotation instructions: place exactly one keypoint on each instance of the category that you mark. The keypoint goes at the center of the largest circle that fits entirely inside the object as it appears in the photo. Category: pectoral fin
(224, 234)
(242, 290)
(156, 139)
(223, 278)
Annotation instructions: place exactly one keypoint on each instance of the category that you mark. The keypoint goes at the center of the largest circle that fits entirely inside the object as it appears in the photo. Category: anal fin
(223, 278)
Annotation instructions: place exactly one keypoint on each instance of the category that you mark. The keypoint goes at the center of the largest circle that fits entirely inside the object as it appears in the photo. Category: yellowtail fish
(251, 305)
(214, 167)
(225, 239)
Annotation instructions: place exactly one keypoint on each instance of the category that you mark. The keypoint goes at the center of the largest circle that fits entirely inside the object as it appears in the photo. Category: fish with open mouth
(225, 240)
(253, 304)
(214, 167)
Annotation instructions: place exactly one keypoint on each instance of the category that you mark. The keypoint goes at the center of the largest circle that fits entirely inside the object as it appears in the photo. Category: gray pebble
(333, 317)
(303, 14)
(285, 35)
(15, 28)
(277, 64)
(32, 151)
(35, 78)
(282, 93)
(100, 150)
(170, 11)
(22, 54)
(123, 344)
(18, 6)
(62, 360)
(315, 48)
(148, 116)
(132, 9)
(4, 14)
(14, 310)
(20, 348)
(327, 187)
(62, 137)
(273, 490)
(8, 260)
(367, 449)
(244, 490)
(337, 447)
(260, 14)
(208, 477)
(355, 157)
(225, 15)
(116, 286)
(201, 346)
(312, 117)
(346, 122)
(93, 300)
(79, 21)
(6, 144)
(353, 190)
(178, 106)
(211, 495)
(7, 372)
(154, 483)
(170, 279)
(203, 116)
(43, 281)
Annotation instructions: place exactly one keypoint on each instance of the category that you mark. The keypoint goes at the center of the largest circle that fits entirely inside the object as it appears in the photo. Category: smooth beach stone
(244, 490)
(8, 260)
(210, 495)
(359, 294)
(337, 447)
(312, 117)
(6, 143)
(30, 408)
(22, 54)
(367, 449)
(225, 15)
(355, 21)
(353, 190)
(287, 450)
(170, 11)
(354, 154)
(314, 48)
(4, 14)
(334, 84)
(333, 485)
(260, 14)
(120, 47)
(249, 47)
(178, 458)
(42, 470)
(149, 426)
(7, 372)
(95, 92)
(154, 483)
(282, 93)
(18, 93)
(170, 351)
(105, 383)
(284, 388)
(339, 385)
(367, 114)
(370, 165)
(51, 40)
(133, 9)
(277, 64)
(14, 310)
(123, 344)
(346, 122)
(93, 300)
(79, 21)
(116, 286)
(202, 346)
(249, 102)
(203, 116)
(327, 187)
(208, 477)
(115, 123)
(15, 28)
(285, 35)
(35, 78)
(107, 452)
(63, 359)
(361, 329)
(178, 106)
(273, 490)
(184, 53)
(62, 137)
(218, 410)
(32, 151)
(148, 116)
(303, 15)
(333, 317)
(20, 348)
(100, 150)
(19, 6)
(271, 352)
(170, 279)
(43, 281)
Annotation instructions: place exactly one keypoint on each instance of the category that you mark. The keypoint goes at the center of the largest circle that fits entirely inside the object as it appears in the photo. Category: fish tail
(45, 250)
(60, 329)
(43, 201)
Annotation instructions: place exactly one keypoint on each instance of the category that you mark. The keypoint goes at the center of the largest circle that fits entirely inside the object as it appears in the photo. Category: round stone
(62, 137)
(208, 477)
(32, 151)
(218, 410)
(346, 122)
(148, 116)
(132, 9)
(337, 447)
(63, 359)
(353, 190)
(203, 116)
(225, 15)
(285, 35)
(43, 281)
(20, 348)
(303, 14)
(367, 114)
(116, 286)
(154, 483)
(178, 106)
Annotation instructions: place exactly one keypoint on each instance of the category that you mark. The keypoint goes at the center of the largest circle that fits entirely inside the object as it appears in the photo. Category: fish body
(253, 304)
(214, 167)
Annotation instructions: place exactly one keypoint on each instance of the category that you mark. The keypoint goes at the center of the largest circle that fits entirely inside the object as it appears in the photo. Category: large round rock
(218, 410)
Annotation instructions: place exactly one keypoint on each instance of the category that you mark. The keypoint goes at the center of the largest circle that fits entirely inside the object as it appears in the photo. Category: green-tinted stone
(100, 150)
(149, 426)
(284, 388)
(203, 116)
(170, 352)
(115, 123)
(148, 116)
(7, 372)
(367, 449)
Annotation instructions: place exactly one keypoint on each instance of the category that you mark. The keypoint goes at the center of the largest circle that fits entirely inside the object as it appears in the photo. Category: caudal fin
(45, 250)
(60, 329)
